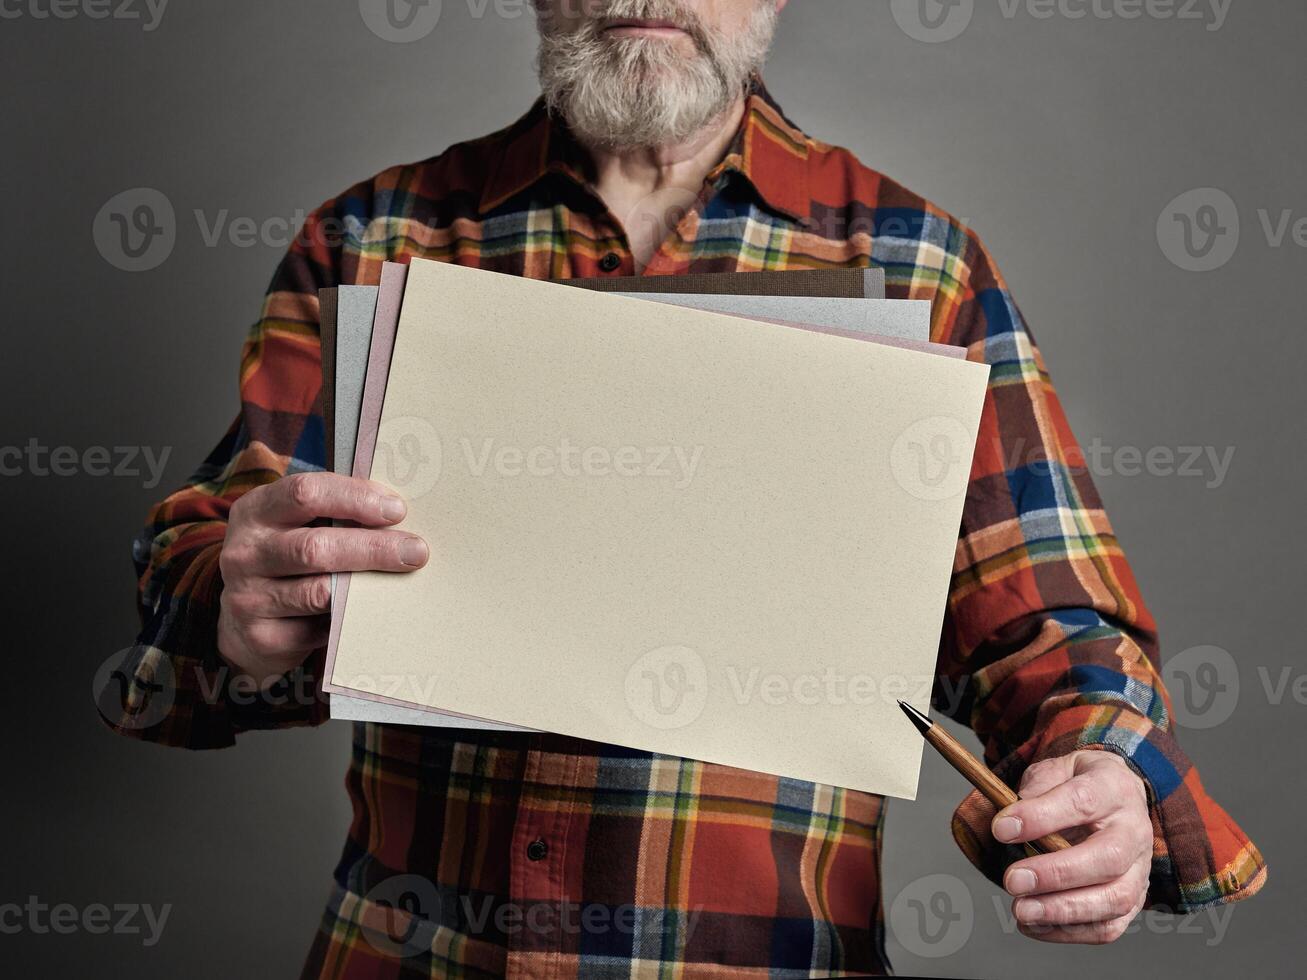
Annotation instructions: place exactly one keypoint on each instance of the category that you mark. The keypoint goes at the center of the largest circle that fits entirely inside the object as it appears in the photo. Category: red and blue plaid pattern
(478, 854)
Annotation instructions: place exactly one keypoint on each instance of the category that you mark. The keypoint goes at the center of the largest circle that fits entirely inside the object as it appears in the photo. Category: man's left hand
(1090, 892)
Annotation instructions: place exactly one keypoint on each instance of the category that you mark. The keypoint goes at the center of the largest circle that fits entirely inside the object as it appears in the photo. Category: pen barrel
(990, 786)
(1050, 843)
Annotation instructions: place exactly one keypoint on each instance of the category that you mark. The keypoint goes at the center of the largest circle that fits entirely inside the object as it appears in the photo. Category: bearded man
(655, 149)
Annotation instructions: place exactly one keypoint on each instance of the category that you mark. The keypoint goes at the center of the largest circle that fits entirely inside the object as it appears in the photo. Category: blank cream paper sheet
(669, 529)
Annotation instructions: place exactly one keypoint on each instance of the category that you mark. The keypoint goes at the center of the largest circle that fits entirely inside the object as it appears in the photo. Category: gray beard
(624, 93)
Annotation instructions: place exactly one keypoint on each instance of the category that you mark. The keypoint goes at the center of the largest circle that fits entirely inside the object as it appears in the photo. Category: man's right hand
(276, 571)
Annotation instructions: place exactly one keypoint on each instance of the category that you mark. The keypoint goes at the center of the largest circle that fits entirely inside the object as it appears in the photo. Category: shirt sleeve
(1047, 647)
(172, 687)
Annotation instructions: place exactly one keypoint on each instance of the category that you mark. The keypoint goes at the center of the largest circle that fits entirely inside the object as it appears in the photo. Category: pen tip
(922, 722)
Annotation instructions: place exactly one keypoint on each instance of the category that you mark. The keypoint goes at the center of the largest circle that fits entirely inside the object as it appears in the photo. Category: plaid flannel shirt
(479, 854)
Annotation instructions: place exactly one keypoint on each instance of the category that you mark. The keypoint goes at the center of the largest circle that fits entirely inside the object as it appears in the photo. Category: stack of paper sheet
(673, 522)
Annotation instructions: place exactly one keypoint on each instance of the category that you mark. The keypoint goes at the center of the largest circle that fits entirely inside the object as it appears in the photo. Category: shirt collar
(768, 151)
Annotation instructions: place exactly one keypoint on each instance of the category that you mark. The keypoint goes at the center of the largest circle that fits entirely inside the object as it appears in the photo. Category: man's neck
(648, 189)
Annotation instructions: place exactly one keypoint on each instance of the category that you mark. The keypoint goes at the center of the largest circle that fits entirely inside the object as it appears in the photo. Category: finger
(1096, 903)
(1039, 778)
(314, 550)
(280, 639)
(1092, 934)
(1102, 857)
(1079, 801)
(281, 598)
(303, 498)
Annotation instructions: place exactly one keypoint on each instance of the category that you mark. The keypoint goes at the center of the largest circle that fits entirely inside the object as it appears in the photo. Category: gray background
(1062, 140)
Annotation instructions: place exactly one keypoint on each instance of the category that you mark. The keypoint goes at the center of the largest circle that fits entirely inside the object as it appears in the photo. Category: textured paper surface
(687, 617)
(363, 322)
(912, 319)
(849, 283)
(906, 319)
(390, 295)
(355, 307)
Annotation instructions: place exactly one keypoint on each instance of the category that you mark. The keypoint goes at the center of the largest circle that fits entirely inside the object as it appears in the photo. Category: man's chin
(664, 62)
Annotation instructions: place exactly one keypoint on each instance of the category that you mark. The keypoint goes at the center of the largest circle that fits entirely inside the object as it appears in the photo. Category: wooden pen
(977, 773)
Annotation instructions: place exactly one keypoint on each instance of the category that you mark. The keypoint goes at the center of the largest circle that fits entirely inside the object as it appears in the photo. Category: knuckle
(240, 508)
(1036, 772)
(1114, 858)
(1042, 766)
(234, 558)
(1072, 909)
(263, 639)
(302, 489)
(1054, 876)
(240, 605)
(1141, 832)
(1119, 898)
(228, 561)
(311, 549)
(1110, 932)
(1084, 799)
(316, 594)
(1123, 780)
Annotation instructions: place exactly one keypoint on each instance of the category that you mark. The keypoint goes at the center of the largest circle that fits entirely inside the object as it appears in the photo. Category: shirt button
(537, 850)
(610, 262)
